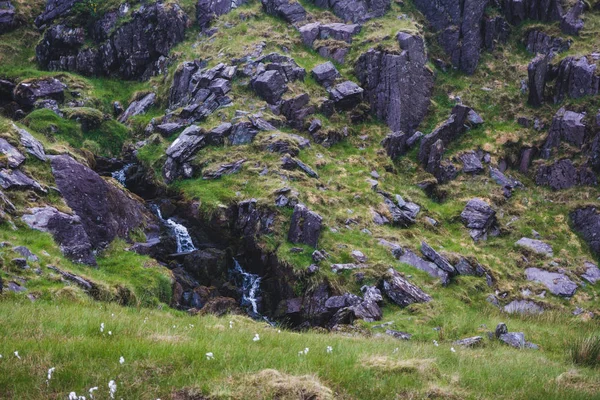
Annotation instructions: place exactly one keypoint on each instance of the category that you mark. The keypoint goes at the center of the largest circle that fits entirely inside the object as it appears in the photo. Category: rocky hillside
(412, 176)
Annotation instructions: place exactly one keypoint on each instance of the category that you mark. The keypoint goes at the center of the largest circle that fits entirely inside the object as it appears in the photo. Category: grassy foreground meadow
(165, 356)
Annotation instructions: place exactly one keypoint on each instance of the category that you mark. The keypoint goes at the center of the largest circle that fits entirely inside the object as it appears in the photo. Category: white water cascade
(250, 285)
(120, 174)
(182, 236)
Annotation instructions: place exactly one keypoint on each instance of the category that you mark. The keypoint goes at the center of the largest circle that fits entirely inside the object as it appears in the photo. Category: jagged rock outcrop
(8, 19)
(197, 91)
(18, 180)
(507, 183)
(138, 107)
(31, 144)
(537, 72)
(357, 11)
(397, 86)
(9, 155)
(401, 291)
(517, 11)
(459, 29)
(325, 74)
(567, 126)
(289, 10)
(538, 42)
(574, 78)
(27, 93)
(67, 231)
(105, 211)
(571, 23)
(269, 86)
(181, 151)
(209, 10)
(53, 10)
(563, 175)
(480, 219)
(403, 213)
(132, 51)
(346, 95)
(586, 222)
(305, 226)
(333, 39)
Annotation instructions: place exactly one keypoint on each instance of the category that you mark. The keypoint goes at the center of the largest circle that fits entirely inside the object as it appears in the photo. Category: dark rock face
(592, 273)
(291, 163)
(105, 210)
(209, 10)
(296, 110)
(566, 126)
(448, 131)
(412, 259)
(397, 86)
(563, 175)
(471, 163)
(575, 78)
(437, 259)
(346, 95)
(305, 226)
(17, 180)
(401, 291)
(334, 38)
(495, 30)
(538, 42)
(225, 169)
(270, 86)
(357, 11)
(586, 222)
(7, 17)
(197, 91)
(558, 284)
(537, 71)
(508, 184)
(31, 144)
(517, 11)
(443, 171)
(403, 213)
(395, 144)
(28, 93)
(459, 29)
(67, 231)
(289, 11)
(325, 74)
(53, 10)
(181, 151)
(132, 51)
(480, 219)
(571, 23)
(517, 340)
(12, 157)
(138, 107)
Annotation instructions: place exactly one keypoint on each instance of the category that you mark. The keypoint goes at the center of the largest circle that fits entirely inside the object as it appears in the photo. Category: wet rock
(357, 11)
(17, 180)
(566, 126)
(27, 93)
(563, 175)
(586, 222)
(480, 219)
(305, 226)
(537, 72)
(11, 156)
(397, 86)
(67, 231)
(402, 292)
(575, 78)
(289, 10)
(410, 258)
(592, 273)
(136, 49)
(571, 23)
(224, 169)
(181, 151)
(459, 29)
(346, 95)
(8, 19)
(558, 284)
(538, 42)
(270, 86)
(106, 211)
(471, 163)
(523, 307)
(220, 306)
(137, 107)
(290, 163)
(325, 74)
(469, 342)
(31, 144)
(536, 246)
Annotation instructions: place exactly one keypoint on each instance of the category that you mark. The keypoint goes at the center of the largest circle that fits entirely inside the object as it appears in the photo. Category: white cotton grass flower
(121, 360)
(303, 352)
(109, 333)
(0, 355)
(91, 391)
(435, 343)
(256, 337)
(17, 355)
(230, 324)
(210, 356)
(452, 349)
(72, 396)
(112, 388)
(50, 371)
(395, 351)
(329, 349)
(102, 327)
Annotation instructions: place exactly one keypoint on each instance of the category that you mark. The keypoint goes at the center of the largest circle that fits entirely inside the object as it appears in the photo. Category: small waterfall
(250, 285)
(182, 236)
(120, 175)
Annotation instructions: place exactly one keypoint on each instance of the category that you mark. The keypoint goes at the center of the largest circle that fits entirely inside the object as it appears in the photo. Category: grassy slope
(177, 357)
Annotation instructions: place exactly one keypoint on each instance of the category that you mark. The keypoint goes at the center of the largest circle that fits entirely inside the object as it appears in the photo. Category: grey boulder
(558, 284)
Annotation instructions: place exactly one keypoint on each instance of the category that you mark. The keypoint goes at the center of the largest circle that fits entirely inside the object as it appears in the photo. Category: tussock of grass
(273, 384)
(586, 351)
(424, 367)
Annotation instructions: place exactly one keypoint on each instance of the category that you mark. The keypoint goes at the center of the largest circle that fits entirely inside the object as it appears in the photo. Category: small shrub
(586, 351)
